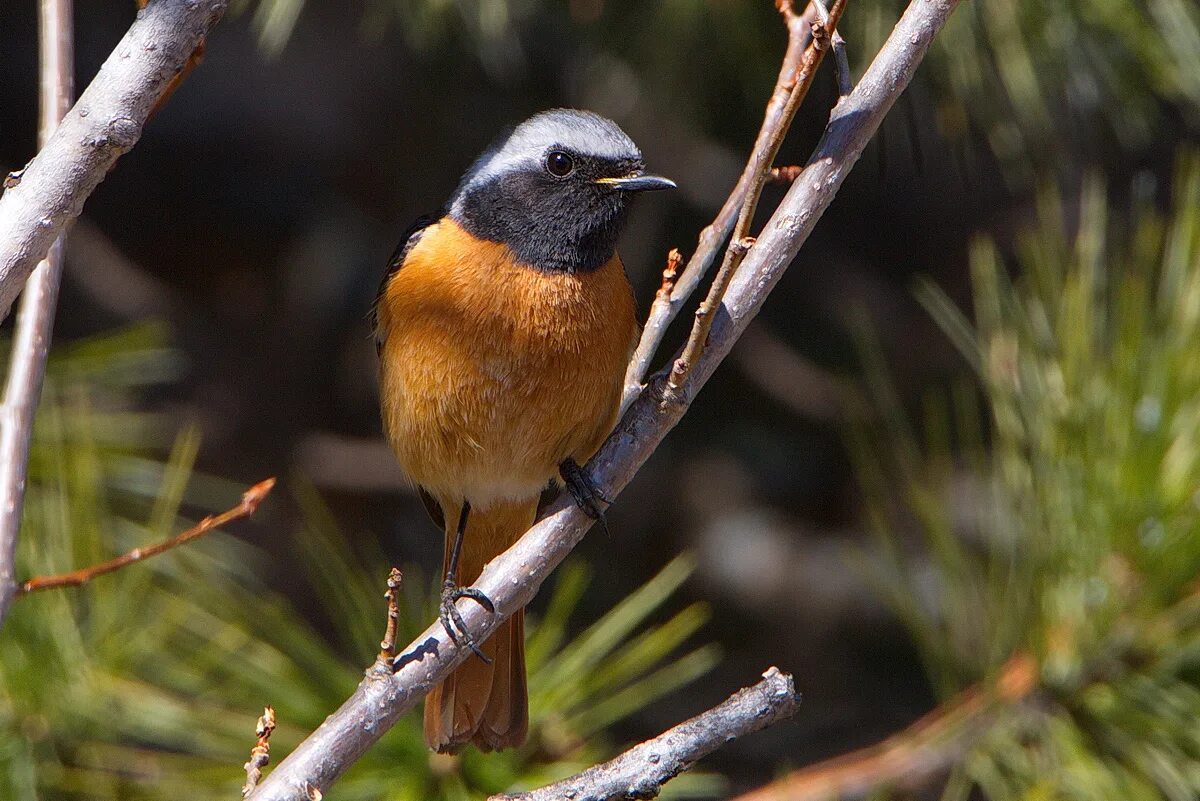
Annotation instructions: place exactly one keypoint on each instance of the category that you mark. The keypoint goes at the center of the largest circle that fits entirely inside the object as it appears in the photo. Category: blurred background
(891, 487)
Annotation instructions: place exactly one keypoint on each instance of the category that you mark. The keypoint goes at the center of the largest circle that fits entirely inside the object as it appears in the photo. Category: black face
(554, 216)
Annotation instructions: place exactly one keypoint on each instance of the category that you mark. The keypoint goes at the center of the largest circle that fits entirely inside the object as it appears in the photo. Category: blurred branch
(251, 498)
(804, 387)
(104, 124)
(112, 280)
(512, 579)
(641, 771)
(260, 754)
(35, 319)
(911, 759)
(352, 464)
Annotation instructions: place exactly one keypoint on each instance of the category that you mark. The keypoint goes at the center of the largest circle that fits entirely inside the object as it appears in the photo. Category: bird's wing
(407, 243)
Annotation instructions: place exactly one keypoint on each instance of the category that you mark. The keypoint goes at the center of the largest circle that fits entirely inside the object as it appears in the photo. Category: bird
(504, 325)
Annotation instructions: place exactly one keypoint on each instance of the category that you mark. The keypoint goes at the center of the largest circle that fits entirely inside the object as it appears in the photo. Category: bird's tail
(479, 703)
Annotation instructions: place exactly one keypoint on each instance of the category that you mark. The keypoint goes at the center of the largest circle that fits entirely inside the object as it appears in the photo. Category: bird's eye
(559, 164)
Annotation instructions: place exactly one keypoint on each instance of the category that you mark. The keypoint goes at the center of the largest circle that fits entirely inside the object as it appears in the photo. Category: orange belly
(493, 373)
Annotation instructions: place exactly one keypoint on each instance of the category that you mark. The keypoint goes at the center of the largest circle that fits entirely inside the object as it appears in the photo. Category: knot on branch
(120, 134)
(670, 274)
(820, 36)
(785, 175)
(741, 247)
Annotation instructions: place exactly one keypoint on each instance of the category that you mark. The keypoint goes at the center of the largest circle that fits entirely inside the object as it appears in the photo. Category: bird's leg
(584, 492)
(451, 619)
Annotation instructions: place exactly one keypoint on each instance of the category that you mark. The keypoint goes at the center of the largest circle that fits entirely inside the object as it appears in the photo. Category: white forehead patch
(579, 131)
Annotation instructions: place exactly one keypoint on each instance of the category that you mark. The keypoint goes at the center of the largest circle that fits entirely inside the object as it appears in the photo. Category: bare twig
(35, 319)
(512, 579)
(641, 771)
(104, 124)
(910, 759)
(260, 754)
(251, 498)
(741, 242)
(845, 84)
(387, 648)
(713, 236)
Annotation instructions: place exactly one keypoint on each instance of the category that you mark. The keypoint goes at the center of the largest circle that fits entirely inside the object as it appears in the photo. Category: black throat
(560, 226)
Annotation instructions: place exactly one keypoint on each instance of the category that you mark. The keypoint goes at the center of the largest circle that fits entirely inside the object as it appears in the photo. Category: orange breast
(492, 373)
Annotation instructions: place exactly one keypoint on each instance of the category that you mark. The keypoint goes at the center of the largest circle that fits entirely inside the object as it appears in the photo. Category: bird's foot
(452, 619)
(584, 492)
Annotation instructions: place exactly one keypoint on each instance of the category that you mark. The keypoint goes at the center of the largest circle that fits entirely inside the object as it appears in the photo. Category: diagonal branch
(103, 125)
(35, 319)
(512, 579)
(641, 771)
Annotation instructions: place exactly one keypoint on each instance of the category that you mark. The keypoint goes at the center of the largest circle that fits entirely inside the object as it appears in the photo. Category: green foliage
(1044, 80)
(1079, 539)
(146, 683)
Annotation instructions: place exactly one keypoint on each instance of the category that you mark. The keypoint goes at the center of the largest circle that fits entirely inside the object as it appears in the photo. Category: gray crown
(525, 146)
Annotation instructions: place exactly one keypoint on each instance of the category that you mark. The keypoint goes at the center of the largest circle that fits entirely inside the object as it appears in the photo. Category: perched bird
(504, 326)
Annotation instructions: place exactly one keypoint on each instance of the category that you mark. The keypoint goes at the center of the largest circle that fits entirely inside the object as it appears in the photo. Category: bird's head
(554, 189)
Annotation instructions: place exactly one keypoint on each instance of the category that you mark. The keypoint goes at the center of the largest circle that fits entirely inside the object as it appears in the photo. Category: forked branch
(741, 241)
(713, 236)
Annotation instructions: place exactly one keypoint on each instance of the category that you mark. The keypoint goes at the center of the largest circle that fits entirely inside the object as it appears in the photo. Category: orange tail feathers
(486, 705)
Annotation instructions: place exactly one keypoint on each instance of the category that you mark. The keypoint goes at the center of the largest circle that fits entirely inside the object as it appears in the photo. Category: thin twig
(641, 771)
(912, 758)
(105, 123)
(251, 498)
(713, 236)
(513, 578)
(260, 754)
(387, 648)
(741, 241)
(35, 319)
(845, 84)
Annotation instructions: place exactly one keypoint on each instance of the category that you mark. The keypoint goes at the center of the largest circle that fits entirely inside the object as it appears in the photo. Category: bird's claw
(584, 492)
(452, 619)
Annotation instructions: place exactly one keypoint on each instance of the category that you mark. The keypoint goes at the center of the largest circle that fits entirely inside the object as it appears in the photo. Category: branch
(387, 646)
(845, 84)
(251, 498)
(512, 579)
(260, 754)
(742, 241)
(711, 238)
(104, 124)
(35, 320)
(912, 758)
(641, 771)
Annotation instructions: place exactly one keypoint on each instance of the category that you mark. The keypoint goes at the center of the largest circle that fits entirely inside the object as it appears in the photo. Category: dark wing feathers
(407, 243)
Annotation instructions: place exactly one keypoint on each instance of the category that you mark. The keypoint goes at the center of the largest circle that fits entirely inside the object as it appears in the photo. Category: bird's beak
(638, 183)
